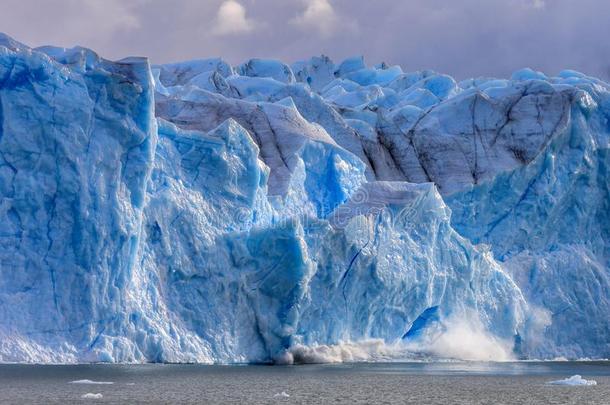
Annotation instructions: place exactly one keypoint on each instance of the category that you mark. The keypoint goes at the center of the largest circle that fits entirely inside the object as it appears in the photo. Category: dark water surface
(389, 383)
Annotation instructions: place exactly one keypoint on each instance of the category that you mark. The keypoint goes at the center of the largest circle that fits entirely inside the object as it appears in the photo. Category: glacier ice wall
(76, 148)
(552, 226)
(198, 212)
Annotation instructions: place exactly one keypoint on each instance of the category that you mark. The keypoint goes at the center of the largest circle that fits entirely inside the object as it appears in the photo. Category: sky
(464, 38)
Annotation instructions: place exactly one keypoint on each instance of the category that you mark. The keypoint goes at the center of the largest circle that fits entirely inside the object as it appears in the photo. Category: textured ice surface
(76, 148)
(196, 212)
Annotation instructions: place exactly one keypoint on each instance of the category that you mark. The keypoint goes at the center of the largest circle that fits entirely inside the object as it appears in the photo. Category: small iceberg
(281, 395)
(92, 396)
(91, 382)
(575, 380)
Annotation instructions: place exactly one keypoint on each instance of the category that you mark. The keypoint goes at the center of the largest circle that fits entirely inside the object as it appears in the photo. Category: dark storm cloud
(461, 37)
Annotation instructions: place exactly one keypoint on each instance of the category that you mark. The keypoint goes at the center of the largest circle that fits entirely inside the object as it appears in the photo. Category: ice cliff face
(313, 212)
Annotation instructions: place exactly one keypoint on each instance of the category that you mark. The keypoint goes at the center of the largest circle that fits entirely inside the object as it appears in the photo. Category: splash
(344, 352)
(462, 337)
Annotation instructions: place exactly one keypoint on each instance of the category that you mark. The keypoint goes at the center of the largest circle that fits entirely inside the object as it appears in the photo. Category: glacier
(311, 212)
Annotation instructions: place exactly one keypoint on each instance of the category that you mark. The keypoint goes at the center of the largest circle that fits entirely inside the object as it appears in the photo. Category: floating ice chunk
(91, 382)
(282, 394)
(575, 380)
(90, 395)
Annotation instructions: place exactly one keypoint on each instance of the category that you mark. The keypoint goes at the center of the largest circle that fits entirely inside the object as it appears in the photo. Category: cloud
(86, 22)
(320, 15)
(463, 38)
(231, 19)
(119, 13)
(532, 4)
(539, 4)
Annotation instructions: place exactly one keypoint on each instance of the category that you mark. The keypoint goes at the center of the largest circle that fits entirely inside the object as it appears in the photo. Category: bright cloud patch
(319, 15)
(232, 19)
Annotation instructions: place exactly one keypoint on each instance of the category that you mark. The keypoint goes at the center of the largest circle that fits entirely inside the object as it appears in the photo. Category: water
(390, 383)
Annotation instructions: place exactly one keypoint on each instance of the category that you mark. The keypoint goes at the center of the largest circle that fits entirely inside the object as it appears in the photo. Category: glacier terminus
(312, 212)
